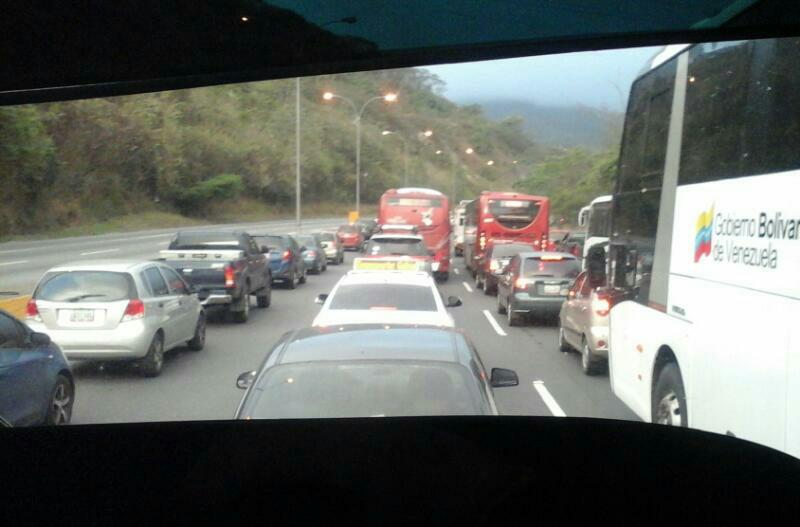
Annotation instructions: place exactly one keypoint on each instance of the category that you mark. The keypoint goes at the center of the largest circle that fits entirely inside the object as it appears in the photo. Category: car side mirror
(596, 264)
(244, 380)
(39, 339)
(321, 298)
(453, 301)
(264, 249)
(502, 378)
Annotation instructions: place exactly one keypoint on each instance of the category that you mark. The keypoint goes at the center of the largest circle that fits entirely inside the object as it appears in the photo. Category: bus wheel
(669, 398)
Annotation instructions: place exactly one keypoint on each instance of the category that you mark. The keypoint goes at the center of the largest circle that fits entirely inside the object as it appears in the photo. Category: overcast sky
(586, 78)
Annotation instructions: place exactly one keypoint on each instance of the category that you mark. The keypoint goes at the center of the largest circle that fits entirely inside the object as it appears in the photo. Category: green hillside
(229, 151)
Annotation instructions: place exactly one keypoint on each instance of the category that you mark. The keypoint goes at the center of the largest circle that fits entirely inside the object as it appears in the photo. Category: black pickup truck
(224, 267)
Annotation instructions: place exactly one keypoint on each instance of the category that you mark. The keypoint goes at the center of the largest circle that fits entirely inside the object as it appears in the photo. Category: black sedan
(36, 383)
(371, 370)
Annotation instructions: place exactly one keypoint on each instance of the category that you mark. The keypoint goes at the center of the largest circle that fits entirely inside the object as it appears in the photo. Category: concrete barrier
(15, 305)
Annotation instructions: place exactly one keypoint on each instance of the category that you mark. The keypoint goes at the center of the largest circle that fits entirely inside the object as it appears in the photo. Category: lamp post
(389, 97)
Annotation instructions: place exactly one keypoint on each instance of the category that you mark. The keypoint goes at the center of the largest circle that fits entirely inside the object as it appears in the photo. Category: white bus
(596, 218)
(705, 244)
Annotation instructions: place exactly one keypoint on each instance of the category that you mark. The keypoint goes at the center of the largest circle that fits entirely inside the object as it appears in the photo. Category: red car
(351, 237)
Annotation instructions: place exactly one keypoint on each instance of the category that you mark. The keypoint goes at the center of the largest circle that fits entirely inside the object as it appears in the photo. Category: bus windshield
(514, 214)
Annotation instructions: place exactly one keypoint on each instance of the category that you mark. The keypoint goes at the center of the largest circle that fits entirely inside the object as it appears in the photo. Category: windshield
(384, 297)
(514, 214)
(396, 247)
(696, 146)
(365, 389)
(599, 220)
(509, 250)
(563, 268)
(86, 286)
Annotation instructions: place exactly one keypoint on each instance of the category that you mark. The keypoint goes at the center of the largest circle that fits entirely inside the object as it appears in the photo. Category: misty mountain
(560, 126)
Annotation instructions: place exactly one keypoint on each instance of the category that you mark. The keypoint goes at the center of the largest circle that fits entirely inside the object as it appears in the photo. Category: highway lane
(202, 385)
(22, 263)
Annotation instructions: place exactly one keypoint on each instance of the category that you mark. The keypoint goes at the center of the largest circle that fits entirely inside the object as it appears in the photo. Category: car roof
(111, 265)
(389, 236)
(358, 276)
(539, 254)
(379, 342)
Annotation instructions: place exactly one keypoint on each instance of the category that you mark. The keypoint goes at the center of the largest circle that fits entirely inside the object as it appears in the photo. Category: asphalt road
(202, 385)
(22, 263)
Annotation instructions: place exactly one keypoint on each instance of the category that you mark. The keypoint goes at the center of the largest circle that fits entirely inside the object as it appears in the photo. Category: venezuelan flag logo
(702, 237)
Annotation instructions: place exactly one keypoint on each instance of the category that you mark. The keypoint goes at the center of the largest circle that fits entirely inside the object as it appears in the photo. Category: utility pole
(297, 154)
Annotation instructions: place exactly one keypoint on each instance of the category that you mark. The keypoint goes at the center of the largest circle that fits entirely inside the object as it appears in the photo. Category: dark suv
(535, 283)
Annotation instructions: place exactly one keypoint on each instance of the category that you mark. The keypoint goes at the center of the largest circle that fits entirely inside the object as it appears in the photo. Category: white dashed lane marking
(548, 399)
(494, 323)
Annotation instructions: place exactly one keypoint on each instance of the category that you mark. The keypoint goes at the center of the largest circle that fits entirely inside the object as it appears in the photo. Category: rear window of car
(308, 241)
(205, 241)
(396, 247)
(327, 237)
(273, 242)
(561, 268)
(86, 286)
(389, 297)
(506, 250)
(348, 228)
(360, 389)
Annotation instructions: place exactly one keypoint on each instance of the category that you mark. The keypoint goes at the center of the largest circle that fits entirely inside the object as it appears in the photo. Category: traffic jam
(386, 321)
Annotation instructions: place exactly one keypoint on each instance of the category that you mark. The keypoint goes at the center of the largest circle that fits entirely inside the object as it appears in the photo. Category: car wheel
(501, 310)
(264, 298)
(325, 266)
(292, 283)
(563, 345)
(152, 363)
(198, 342)
(669, 398)
(487, 290)
(589, 362)
(241, 316)
(513, 318)
(302, 279)
(478, 282)
(61, 399)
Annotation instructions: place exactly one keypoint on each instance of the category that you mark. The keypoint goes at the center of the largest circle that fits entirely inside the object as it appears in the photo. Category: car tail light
(522, 283)
(32, 311)
(286, 255)
(601, 304)
(536, 243)
(494, 265)
(312, 254)
(230, 279)
(482, 241)
(551, 257)
(134, 311)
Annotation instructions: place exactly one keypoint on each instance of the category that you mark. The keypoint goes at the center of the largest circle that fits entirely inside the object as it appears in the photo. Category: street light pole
(389, 97)
(298, 188)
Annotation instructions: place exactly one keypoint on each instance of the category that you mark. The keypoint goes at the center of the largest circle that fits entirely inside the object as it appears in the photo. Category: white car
(385, 297)
(408, 246)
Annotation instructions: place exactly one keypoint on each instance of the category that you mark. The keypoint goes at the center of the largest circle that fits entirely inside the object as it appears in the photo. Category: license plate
(81, 315)
(552, 289)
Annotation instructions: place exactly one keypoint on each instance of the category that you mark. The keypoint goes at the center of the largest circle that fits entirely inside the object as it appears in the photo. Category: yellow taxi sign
(384, 264)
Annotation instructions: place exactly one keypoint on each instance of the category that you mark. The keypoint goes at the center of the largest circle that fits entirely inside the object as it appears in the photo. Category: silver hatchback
(583, 324)
(117, 310)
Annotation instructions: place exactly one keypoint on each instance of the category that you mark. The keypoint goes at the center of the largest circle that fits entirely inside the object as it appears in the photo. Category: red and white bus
(429, 211)
(504, 215)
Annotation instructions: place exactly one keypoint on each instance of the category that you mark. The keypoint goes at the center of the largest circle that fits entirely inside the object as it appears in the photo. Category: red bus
(504, 215)
(429, 211)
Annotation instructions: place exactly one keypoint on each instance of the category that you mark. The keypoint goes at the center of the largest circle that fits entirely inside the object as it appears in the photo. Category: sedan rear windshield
(273, 242)
(374, 389)
(507, 250)
(349, 228)
(327, 237)
(563, 268)
(86, 286)
(390, 297)
(396, 247)
(308, 241)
